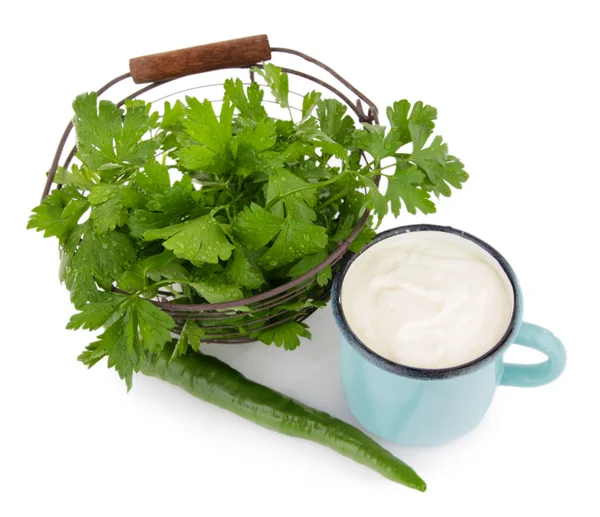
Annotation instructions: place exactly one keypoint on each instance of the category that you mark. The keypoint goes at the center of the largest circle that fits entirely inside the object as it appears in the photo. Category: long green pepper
(214, 381)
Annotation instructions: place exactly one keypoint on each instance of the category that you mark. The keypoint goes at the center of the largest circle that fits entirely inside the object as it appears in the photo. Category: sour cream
(427, 299)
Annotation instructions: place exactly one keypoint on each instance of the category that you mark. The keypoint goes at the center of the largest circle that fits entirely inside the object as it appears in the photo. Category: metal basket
(219, 320)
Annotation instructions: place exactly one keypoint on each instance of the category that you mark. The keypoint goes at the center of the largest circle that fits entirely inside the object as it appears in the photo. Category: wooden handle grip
(203, 58)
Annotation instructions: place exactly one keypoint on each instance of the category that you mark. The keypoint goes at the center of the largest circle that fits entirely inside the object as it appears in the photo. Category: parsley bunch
(259, 201)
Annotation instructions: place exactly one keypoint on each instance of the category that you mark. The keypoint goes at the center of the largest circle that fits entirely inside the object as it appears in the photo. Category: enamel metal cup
(421, 407)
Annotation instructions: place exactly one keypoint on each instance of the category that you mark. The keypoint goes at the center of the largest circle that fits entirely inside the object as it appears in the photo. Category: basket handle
(203, 58)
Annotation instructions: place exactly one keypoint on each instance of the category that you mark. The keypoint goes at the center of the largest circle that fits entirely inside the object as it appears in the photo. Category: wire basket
(221, 321)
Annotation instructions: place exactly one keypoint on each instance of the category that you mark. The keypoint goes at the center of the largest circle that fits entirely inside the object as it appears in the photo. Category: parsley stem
(172, 291)
(163, 283)
(333, 199)
(213, 184)
(218, 209)
(377, 171)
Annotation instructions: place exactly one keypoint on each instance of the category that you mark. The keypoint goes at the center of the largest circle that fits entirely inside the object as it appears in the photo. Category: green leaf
(164, 208)
(92, 354)
(296, 196)
(416, 127)
(162, 265)
(397, 114)
(255, 227)
(79, 177)
(109, 139)
(108, 211)
(203, 126)
(98, 259)
(172, 116)
(345, 226)
(324, 276)
(286, 335)
(244, 271)
(305, 264)
(295, 239)
(376, 201)
(199, 240)
(94, 315)
(191, 337)
(334, 122)
(277, 81)
(405, 185)
(141, 326)
(259, 138)
(309, 103)
(216, 290)
(421, 124)
(113, 343)
(365, 236)
(249, 106)
(441, 169)
(374, 140)
(154, 326)
(213, 136)
(58, 214)
(154, 177)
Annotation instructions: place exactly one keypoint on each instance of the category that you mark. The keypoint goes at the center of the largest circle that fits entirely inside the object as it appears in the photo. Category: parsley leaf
(295, 239)
(217, 290)
(405, 185)
(305, 264)
(333, 120)
(109, 139)
(199, 240)
(441, 169)
(309, 103)
(154, 177)
(286, 335)
(375, 199)
(79, 177)
(191, 337)
(244, 271)
(155, 267)
(249, 105)
(374, 140)
(58, 214)
(108, 211)
(211, 134)
(277, 81)
(416, 127)
(140, 327)
(255, 227)
(164, 208)
(94, 315)
(295, 194)
(98, 259)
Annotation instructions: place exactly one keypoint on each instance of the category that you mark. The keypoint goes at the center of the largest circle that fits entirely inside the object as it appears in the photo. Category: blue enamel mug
(421, 407)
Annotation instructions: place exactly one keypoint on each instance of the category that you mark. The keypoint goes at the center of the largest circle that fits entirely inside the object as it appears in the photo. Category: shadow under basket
(238, 321)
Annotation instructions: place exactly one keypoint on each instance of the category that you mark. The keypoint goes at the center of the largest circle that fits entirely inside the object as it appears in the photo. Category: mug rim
(413, 371)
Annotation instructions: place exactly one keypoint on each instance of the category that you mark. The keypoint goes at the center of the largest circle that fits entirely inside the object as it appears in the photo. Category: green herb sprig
(259, 201)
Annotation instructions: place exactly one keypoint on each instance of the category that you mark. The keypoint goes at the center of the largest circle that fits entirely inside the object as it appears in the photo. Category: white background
(516, 85)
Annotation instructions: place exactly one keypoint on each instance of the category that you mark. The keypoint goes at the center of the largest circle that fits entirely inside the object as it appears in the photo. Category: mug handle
(530, 375)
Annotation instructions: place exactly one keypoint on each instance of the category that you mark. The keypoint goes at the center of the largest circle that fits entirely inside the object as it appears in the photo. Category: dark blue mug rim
(428, 373)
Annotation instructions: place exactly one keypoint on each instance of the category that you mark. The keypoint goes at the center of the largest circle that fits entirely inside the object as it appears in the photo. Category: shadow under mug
(421, 407)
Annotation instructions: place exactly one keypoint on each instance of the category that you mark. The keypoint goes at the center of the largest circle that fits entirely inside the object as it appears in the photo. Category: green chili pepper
(212, 380)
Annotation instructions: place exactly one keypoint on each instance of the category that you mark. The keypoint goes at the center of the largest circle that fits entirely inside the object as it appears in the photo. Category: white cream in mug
(427, 299)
